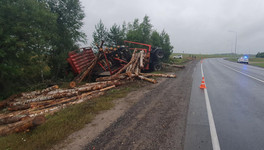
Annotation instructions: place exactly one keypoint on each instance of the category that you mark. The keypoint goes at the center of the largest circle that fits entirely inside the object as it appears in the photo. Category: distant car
(178, 57)
(243, 59)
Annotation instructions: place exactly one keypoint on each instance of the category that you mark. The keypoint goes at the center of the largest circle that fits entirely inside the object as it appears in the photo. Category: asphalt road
(236, 95)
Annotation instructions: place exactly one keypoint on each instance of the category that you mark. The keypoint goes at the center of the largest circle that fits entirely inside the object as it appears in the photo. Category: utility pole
(235, 40)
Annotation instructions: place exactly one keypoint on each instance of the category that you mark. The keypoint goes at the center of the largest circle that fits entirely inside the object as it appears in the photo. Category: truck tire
(159, 53)
(157, 66)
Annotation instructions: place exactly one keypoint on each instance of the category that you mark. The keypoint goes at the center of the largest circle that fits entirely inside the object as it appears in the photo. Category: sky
(194, 26)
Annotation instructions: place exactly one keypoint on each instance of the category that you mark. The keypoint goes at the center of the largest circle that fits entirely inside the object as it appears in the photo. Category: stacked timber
(27, 110)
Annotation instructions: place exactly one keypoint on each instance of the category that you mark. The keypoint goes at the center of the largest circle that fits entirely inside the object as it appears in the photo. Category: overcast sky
(194, 26)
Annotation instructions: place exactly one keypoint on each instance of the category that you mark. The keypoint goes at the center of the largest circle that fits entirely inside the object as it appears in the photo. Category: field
(188, 57)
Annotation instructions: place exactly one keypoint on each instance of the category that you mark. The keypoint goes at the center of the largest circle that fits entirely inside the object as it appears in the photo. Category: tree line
(36, 36)
(260, 55)
(136, 31)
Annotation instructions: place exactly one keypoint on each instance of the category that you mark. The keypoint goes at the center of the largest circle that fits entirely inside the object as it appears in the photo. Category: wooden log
(141, 59)
(99, 86)
(137, 57)
(72, 84)
(54, 109)
(173, 65)
(147, 79)
(18, 107)
(65, 93)
(158, 75)
(5, 102)
(107, 88)
(39, 92)
(59, 102)
(87, 98)
(12, 119)
(116, 77)
(137, 70)
(15, 113)
(35, 105)
(22, 125)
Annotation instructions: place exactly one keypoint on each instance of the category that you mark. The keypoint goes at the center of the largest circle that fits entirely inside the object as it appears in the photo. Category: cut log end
(72, 84)
(39, 120)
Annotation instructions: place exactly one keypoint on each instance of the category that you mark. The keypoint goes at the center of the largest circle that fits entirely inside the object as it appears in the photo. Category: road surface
(236, 96)
(156, 121)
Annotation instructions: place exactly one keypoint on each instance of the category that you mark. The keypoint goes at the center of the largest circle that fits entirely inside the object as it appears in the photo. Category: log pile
(27, 110)
(133, 70)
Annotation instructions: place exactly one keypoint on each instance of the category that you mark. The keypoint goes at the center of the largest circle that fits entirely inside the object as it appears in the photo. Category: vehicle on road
(177, 57)
(243, 59)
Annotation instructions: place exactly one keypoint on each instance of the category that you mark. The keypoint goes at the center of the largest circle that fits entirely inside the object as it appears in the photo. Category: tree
(260, 55)
(115, 35)
(69, 23)
(140, 32)
(166, 45)
(134, 33)
(27, 29)
(155, 39)
(146, 28)
(100, 34)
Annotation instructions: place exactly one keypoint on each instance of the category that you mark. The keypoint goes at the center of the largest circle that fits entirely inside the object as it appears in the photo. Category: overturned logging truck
(123, 64)
(108, 61)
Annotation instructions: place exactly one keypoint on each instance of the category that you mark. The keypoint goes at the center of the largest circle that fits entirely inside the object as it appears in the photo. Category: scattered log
(159, 75)
(147, 79)
(117, 77)
(173, 65)
(22, 125)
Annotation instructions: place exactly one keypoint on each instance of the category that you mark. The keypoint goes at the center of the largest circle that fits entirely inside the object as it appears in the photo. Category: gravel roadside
(156, 121)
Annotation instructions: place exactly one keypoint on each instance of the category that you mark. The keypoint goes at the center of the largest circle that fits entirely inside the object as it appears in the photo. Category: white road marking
(244, 73)
(213, 132)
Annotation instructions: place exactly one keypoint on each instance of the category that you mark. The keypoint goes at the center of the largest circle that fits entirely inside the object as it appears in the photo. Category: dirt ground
(151, 118)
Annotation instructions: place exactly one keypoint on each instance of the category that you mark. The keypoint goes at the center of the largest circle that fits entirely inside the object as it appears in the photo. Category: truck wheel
(157, 67)
(159, 53)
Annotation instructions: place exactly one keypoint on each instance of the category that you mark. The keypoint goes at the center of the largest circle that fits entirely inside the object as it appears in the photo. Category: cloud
(194, 26)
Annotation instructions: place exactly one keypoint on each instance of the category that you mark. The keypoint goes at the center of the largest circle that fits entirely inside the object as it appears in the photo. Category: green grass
(258, 64)
(232, 59)
(65, 122)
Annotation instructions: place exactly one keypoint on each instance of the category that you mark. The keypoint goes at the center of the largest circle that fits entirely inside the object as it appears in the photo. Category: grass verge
(65, 122)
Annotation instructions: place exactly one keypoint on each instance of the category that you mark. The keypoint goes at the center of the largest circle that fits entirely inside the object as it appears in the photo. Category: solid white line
(244, 73)
(213, 132)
